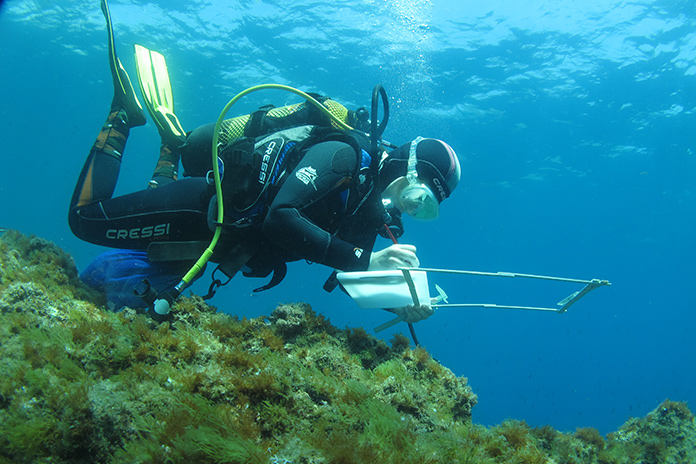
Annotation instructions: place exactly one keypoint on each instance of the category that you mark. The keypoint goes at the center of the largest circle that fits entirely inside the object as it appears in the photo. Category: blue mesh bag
(118, 272)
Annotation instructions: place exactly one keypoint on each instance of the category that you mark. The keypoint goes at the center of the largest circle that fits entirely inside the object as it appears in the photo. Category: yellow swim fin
(157, 92)
(124, 95)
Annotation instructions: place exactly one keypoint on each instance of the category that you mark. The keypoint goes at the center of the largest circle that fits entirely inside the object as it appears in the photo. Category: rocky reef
(80, 384)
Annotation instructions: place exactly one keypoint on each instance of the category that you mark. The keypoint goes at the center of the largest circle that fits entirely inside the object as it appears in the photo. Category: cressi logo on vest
(255, 164)
(270, 151)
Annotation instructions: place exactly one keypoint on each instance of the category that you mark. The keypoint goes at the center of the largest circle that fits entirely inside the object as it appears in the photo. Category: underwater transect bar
(392, 289)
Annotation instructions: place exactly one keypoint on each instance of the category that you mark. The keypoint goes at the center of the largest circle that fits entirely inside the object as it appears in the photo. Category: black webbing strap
(175, 251)
(239, 255)
(254, 126)
(279, 274)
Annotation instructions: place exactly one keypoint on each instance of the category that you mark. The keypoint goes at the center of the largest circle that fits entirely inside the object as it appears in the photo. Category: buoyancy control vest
(256, 152)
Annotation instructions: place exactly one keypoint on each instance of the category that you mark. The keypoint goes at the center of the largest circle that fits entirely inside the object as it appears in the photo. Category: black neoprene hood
(436, 165)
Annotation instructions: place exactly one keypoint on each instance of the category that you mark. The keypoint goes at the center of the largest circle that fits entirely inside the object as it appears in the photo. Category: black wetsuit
(322, 211)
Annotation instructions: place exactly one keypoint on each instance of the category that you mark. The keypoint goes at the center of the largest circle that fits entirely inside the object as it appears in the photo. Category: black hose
(377, 127)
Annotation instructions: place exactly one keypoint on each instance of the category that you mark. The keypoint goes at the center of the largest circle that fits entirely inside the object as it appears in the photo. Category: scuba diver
(294, 182)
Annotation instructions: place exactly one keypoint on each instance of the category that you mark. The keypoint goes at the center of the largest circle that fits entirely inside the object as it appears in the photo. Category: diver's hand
(413, 313)
(394, 257)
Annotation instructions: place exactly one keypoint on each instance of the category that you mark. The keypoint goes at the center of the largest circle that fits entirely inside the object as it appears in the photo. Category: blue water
(574, 122)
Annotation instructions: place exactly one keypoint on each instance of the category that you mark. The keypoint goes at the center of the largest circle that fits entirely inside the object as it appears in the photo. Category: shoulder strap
(255, 125)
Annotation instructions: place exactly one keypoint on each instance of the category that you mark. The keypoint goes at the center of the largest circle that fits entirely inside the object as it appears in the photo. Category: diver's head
(417, 176)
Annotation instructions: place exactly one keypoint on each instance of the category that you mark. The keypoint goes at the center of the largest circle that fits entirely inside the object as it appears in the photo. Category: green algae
(81, 384)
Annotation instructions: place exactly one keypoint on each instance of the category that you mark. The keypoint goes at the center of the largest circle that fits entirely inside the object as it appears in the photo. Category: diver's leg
(174, 212)
(100, 172)
(98, 178)
(166, 168)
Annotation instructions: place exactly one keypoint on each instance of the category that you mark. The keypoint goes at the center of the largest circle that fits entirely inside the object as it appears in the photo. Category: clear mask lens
(417, 198)
(420, 202)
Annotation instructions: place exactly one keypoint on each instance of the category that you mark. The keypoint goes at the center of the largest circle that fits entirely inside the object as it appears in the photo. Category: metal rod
(507, 274)
(486, 305)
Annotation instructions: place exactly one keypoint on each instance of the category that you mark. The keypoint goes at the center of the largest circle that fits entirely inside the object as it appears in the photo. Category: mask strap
(412, 173)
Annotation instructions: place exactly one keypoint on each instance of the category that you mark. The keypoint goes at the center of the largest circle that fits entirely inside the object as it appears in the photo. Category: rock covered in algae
(81, 384)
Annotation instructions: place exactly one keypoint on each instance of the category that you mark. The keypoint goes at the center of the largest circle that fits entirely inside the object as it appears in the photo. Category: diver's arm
(327, 167)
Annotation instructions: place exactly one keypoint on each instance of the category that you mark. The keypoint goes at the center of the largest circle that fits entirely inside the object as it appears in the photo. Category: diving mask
(419, 202)
(417, 199)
